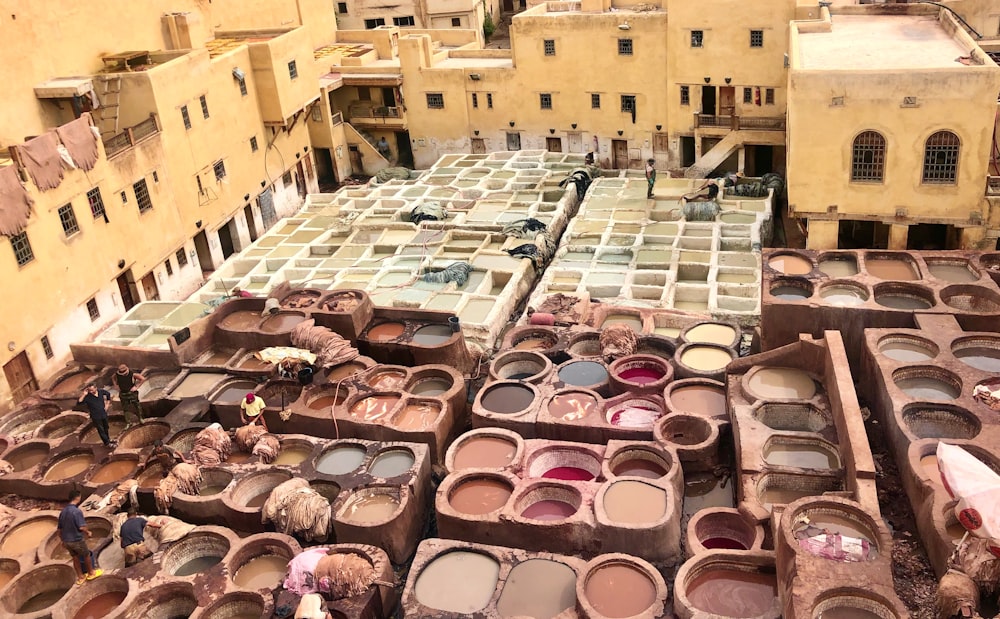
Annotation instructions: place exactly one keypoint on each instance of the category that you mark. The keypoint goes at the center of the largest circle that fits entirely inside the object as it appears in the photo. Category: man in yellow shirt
(251, 409)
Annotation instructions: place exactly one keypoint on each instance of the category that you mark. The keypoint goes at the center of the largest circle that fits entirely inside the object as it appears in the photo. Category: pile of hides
(773, 181)
(562, 306)
(6, 468)
(390, 174)
(247, 437)
(345, 575)
(974, 572)
(330, 348)
(277, 354)
(212, 446)
(114, 499)
(581, 178)
(301, 569)
(40, 157)
(296, 508)
(428, 211)
(957, 596)
(311, 606)
(617, 341)
(15, 203)
(267, 448)
(80, 142)
(524, 228)
(988, 393)
(457, 272)
(184, 478)
(538, 252)
(702, 210)
(166, 529)
(7, 516)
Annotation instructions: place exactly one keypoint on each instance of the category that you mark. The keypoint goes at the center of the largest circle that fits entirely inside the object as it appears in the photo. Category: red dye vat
(641, 376)
(723, 543)
(570, 473)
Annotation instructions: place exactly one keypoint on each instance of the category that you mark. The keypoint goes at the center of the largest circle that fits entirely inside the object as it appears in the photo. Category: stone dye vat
(620, 248)
(925, 396)
(720, 528)
(570, 497)
(725, 583)
(807, 530)
(798, 427)
(508, 582)
(851, 291)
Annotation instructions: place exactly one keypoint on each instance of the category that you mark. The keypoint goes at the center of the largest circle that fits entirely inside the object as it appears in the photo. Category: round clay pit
(720, 333)
(520, 365)
(583, 373)
(703, 360)
(478, 494)
(279, 393)
(144, 435)
(236, 605)
(783, 488)
(96, 598)
(232, 392)
(545, 502)
(477, 571)
(301, 299)
(326, 489)
(116, 425)
(640, 374)
(385, 332)
(195, 553)
(940, 421)
(68, 465)
(250, 492)
(27, 420)
(656, 346)
(792, 417)
(897, 296)
(371, 506)
(430, 383)
(584, 346)
(375, 407)
(574, 405)
(488, 448)
(617, 588)
(853, 603)
(27, 455)
(534, 340)
(981, 353)
(891, 266)
(250, 362)
(634, 413)
(791, 289)
(707, 584)
(778, 383)
(155, 385)
(240, 321)
(829, 518)
(71, 383)
(907, 348)
(184, 439)
(341, 459)
(639, 462)
(386, 379)
(326, 397)
(28, 535)
(633, 503)
(417, 415)
(538, 587)
(61, 425)
(282, 322)
(168, 601)
(790, 263)
(952, 270)
(722, 529)
(838, 264)
(9, 569)
(214, 481)
(433, 335)
(115, 469)
(562, 463)
(686, 432)
(927, 383)
(801, 452)
(260, 563)
(38, 589)
(344, 371)
(150, 476)
(972, 299)
(697, 396)
(54, 550)
(617, 316)
(342, 301)
(390, 463)
(841, 293)
(507, 397)
(293, 452)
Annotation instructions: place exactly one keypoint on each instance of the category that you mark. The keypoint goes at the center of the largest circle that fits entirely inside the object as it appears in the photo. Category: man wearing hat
(251, 409)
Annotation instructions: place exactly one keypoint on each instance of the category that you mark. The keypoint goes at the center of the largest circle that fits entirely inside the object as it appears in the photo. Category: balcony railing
(131, 136)
(735, 123)
(374, 112)
(993, 186)
(337, 118)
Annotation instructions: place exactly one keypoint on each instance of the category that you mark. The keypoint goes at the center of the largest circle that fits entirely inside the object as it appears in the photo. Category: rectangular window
(204, 106)
(169, 267)
(456, 22)
(595, 101)
(243, 86)
(550, 47)
(475, 100)
(624, 47)
(342, 8)
(22, 248)
(93, 310)
(364, 93)
(685, 95)
(253, 144)
(219, 167)
(142, 195)
(489, 100)
(124, 197)
(435, 101)
(185, 117)
(769, 96)
(628, 103)
(96, 203)
(181, 257)
(293, 69)
(374, 23)
(697, 38)
(545, 100)
(748, 95)
(156, 177)
(756, 38)
(47, 347)
(286, 179)
(403, 21)
(68, 220)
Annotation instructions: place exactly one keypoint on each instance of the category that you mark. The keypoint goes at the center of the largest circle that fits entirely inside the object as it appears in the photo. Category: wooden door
(356, 167)
(478, 146)
(20, 377)
(727, 101)
(149, 288)
(127, 290)
(553, 145)
(575, 142)
(513, 140)
(620, 148)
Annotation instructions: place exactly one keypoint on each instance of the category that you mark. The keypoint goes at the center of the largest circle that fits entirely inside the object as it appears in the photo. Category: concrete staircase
(714, 157)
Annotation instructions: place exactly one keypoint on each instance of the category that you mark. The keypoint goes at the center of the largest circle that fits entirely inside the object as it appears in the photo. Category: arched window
(941, 158)
(868, 157)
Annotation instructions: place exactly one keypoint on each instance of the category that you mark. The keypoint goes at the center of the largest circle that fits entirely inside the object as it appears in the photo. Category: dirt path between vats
(912, 574)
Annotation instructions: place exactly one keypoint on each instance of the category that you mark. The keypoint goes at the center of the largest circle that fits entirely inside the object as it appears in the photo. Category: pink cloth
(301, 570)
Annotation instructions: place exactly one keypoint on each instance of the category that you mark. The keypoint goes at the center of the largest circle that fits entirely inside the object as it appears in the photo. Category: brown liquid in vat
(386, 331)
(374, 408)
(480, 496)
(507, 399)
(27, 536)
(891, 269)
(618, 590)
(790, 265)
(240, 321)
(69, 467)
(263, 572)
(370, 508)
(633, 502)
(113, 471)
(281, 323)
(573, 406)
(699, 399)
(782, 383)
(705, 359)
(733, 593)
(417, 416)
(100, 606)
(484, 452)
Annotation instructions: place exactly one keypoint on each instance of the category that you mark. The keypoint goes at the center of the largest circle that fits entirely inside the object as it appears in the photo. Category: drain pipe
(952, 11)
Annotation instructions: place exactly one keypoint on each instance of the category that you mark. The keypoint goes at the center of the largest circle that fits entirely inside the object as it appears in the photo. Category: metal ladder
(110, 104)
